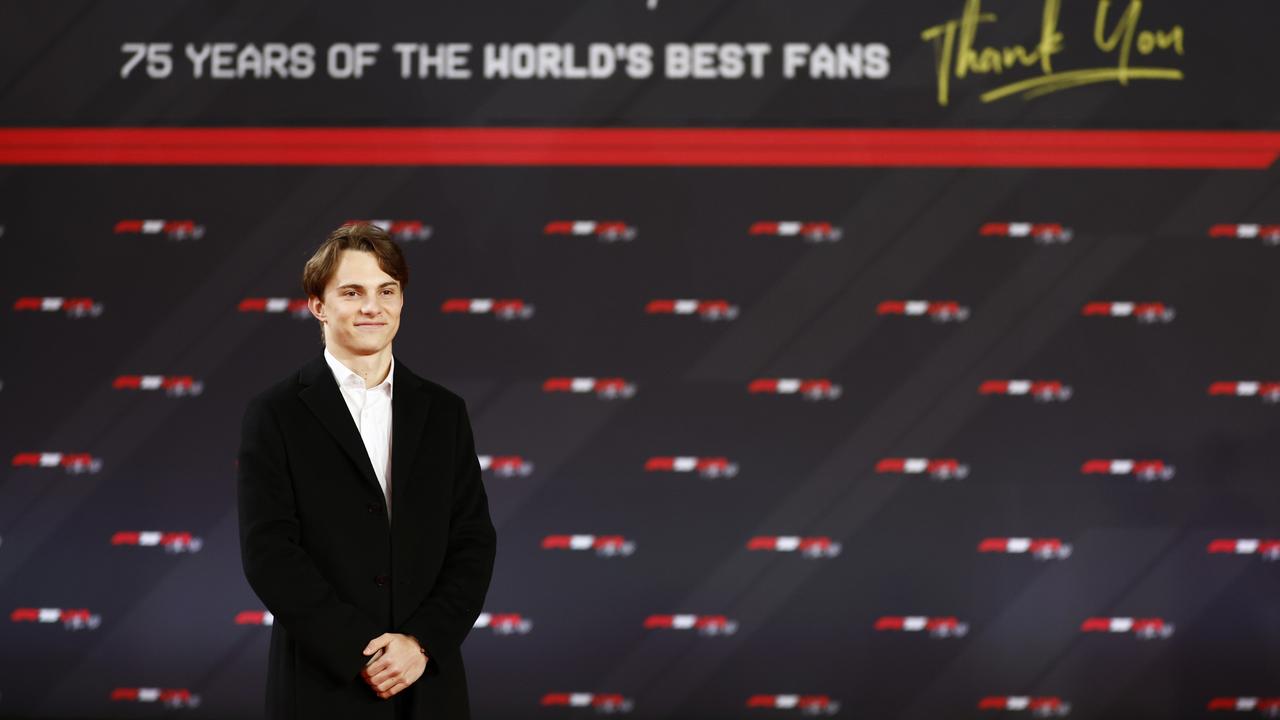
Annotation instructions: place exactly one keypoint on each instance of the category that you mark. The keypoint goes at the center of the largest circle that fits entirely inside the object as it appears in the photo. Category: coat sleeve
(327, 629)
(443, 619)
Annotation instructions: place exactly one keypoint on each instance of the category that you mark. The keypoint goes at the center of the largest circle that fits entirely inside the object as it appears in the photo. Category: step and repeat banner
(825, 357)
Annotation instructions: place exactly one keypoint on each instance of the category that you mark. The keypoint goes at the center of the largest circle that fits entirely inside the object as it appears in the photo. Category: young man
(364, 526)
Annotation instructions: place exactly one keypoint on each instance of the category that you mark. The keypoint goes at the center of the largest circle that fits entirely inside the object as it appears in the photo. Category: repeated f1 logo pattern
(294, 307)
(255, 617)
(809, 389)
(704, 309)
(936, 468)
(1147, 313)
(707, 467)
(72, 307)
(602, 545)
(502, 309)
(937, 310)
(1041, 390)
(936, 627)
(505, 465)
(72, 463)
(172, 542)
(796, 548)
(71, 619)
(1267, 390)
(1143, 470)
(603, 388)
(805, 705)
(604, 703)
(1267, 548)
(1045, 233)
(169, 697)
(1264, 706)
(504, 623)
(1143, 628)
(171, 229)
(1039, 548)
(606, 231)
(810, 547)
(711, 625)
(1041, 707)
(814, 231)
(1268, 234)
(171, 385)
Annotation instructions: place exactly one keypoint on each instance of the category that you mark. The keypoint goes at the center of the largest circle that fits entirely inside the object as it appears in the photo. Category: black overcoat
(320, 553)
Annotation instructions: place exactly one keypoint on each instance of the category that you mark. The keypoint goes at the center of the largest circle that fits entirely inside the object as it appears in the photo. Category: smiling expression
(361, 305)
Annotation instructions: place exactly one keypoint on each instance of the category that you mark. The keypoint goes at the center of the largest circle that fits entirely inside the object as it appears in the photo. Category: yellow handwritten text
(959, 54)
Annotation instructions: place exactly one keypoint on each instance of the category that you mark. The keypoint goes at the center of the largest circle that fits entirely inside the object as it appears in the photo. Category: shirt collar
(345, 376)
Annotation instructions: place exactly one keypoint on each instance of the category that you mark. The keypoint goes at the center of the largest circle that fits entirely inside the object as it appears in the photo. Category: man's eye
(349, 293)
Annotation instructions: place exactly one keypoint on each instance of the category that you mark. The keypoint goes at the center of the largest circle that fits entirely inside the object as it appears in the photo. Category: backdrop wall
(836, 358)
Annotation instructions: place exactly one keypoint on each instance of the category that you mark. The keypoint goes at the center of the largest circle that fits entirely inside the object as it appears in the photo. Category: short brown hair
(362, 236)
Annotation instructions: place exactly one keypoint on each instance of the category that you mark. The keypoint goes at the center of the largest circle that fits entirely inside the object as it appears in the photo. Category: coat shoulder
(440, 392)
(279, 392)
(285, 391)
(441, 396)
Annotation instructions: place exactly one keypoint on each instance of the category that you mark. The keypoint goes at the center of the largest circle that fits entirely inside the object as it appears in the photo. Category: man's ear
(316, 306)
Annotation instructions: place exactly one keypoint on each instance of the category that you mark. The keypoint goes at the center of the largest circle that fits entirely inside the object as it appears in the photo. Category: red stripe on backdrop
(723, 147)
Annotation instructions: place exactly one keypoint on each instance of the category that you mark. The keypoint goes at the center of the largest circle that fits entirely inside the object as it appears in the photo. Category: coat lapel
(410, 402)
(322, 396)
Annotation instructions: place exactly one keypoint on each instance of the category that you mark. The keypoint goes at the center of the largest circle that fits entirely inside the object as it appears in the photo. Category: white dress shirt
(371, 410)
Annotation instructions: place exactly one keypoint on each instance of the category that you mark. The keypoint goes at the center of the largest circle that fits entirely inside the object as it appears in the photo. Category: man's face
(361, 305)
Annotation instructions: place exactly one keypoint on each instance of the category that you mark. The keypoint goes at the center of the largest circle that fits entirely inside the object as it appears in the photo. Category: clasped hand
(396, 662)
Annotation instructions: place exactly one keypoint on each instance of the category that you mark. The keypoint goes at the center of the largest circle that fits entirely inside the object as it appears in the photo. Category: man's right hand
(404, 662)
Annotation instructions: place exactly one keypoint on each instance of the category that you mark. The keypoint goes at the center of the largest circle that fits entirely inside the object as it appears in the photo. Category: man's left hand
(400, 666)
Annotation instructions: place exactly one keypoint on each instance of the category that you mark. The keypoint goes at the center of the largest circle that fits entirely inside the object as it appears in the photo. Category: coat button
(373, 508)
(381, 580)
